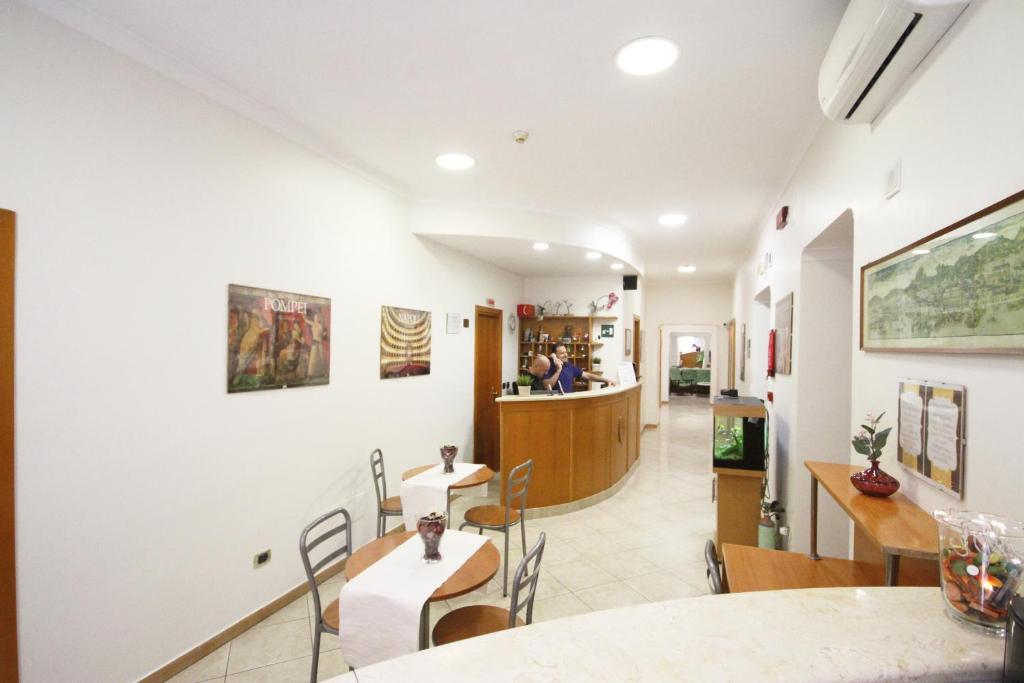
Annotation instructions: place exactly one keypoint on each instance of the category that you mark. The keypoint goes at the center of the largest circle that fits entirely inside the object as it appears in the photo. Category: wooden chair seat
(392, 504)
(468, 622)
(490, 515)
(331, 615)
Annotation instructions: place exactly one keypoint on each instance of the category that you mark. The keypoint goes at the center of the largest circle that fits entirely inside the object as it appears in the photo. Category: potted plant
(870, 441)
(525, 381)
(596, 360)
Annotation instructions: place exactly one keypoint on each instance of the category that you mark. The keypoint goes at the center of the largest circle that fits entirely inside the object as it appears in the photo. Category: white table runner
(380, 609)
(429, 491)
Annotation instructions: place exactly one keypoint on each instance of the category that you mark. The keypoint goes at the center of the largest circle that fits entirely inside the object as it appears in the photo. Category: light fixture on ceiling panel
(686, 269)
(646, 56)
(671, 220)
(541, 246)
(453, 161)
(617, 266)
(593, 256)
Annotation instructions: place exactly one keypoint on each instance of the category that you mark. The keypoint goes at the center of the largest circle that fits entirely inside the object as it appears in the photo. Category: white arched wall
(667, 351)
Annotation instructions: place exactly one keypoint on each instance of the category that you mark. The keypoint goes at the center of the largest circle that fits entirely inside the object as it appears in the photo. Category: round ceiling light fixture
(593, 256)
(646, 56)
(541, 246)
(453, 161)
(617, 266)
(686, 269)
(671, 220)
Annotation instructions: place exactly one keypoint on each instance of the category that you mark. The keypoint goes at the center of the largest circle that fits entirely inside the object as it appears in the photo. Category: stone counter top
(823, 634)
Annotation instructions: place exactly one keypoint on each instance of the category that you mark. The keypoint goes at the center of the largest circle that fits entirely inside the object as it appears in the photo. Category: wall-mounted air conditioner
(877, 45)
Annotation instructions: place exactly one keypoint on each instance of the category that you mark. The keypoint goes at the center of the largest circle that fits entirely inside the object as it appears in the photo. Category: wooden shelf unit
(580, 352)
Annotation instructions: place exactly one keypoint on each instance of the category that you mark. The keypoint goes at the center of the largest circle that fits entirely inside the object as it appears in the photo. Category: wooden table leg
(814, 519)
(892, 570)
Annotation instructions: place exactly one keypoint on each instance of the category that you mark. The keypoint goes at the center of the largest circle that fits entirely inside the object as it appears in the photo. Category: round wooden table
(481, 476)
(478, 570)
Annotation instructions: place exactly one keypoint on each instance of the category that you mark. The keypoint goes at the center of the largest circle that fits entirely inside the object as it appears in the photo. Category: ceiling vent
(876, 47)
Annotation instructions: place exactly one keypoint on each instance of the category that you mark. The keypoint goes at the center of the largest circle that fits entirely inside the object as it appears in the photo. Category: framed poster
(784, 335)
(277, 339)
(404, 342)
(931, 433)
(958, 290)
(607, 331)
(628, 338)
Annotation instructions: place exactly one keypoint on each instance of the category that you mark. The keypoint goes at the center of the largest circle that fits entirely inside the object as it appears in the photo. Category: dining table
(475, 572)
(480, 476)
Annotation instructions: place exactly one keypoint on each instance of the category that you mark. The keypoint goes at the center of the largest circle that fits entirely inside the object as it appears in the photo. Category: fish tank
(740, 432)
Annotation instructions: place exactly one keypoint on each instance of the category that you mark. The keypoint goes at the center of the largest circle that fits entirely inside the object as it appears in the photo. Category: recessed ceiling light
(686, 269)
(617, 266)
(646, 56)
(671, 220)
(593, 256)
(983, 235)
(921, 252)
(541, 246)
(455, 162)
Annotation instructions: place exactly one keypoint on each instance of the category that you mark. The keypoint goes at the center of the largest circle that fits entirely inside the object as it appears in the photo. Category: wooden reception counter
(582, 444)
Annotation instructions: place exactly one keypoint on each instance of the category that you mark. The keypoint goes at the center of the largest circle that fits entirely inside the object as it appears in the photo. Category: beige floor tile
(559, 606)
(212, 667)
(328, 641)
(298, 609)
(547, 585)
(488, 594)
(581, 574)
(623, 564)
(294, 670)
(610, 596)
(265, 645)
(662, 585)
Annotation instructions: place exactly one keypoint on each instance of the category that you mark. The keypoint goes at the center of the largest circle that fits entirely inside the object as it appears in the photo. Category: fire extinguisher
(771, 353)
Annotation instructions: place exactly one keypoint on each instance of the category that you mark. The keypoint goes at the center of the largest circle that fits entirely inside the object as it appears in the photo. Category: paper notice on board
(911, 407)
(943, 416)
(627, 377)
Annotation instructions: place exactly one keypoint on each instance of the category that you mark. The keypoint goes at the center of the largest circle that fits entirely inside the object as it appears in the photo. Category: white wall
(672, 302)
(143, 489)
(957, 131)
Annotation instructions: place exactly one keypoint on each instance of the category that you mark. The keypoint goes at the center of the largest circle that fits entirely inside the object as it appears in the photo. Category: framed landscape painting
(959, 290)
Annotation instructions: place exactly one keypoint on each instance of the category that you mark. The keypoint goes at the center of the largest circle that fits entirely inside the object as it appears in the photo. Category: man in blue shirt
(566, 373)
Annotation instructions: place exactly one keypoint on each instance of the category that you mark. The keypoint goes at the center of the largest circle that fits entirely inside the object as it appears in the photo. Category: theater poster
(404, 342)
(277, 339)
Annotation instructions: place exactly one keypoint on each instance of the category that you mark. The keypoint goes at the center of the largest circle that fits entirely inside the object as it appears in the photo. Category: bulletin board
(931, 433)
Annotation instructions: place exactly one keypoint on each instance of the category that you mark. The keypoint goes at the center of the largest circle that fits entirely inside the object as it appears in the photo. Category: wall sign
(931, 433)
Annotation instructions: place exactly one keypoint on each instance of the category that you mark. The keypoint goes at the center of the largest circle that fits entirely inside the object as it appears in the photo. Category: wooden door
(8, 594)
(732, 353)
(636, 345)
(487, 386)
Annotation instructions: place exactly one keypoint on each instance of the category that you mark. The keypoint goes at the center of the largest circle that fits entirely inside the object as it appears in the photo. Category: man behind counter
(565, 373)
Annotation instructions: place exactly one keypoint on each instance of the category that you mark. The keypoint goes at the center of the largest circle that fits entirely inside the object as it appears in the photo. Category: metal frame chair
(478, 620)
(380, 485)
(327, 619)
(513, 493)
(714, 571)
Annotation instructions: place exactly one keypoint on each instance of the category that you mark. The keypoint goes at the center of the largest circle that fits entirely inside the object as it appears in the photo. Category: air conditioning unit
(876, 47)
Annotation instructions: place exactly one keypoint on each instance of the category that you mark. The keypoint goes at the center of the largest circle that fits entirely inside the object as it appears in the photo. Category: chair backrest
(526, 578)
(714, 571)
(306, 546)
(380, 484)
(516, 487)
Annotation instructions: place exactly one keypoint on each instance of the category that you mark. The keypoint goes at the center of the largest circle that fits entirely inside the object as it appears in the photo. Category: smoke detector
(519, 136)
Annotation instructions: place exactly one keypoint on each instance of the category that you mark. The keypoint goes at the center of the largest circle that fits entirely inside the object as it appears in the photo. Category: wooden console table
(897, 526)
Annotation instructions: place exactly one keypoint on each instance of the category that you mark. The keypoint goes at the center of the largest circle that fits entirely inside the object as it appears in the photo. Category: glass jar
(981, 566)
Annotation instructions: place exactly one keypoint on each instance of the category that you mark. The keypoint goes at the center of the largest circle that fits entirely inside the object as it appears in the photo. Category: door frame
(497, 314)
(8, 581)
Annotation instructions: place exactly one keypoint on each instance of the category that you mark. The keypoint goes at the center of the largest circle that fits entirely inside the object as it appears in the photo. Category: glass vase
(875, 482)
(448, 454)
(431, 528)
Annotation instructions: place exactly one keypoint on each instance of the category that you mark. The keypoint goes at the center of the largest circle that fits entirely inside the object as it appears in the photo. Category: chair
(714, 570)
(386, 507)
(479, 620)
(327, 619)
(503, 517)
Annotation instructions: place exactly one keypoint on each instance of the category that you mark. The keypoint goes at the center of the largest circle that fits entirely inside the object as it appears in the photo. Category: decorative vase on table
(870, 441)
(448, 454)
(431, 528)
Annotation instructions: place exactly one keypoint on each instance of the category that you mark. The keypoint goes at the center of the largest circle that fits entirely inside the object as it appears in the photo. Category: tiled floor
(644, 544)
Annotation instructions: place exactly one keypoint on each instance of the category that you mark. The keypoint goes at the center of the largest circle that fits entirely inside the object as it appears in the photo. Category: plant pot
(524, 390)
(431, 529)
(875, 482)
(448, 454)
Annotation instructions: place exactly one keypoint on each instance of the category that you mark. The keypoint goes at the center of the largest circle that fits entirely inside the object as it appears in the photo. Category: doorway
(8, 584)
(487, 386)
(732, 353)
(670, 357)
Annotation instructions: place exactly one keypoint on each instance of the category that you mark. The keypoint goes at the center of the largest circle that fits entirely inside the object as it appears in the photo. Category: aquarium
(740, 426)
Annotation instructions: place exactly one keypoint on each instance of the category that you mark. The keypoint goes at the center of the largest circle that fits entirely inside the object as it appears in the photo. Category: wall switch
(894, 180)
(260, 559)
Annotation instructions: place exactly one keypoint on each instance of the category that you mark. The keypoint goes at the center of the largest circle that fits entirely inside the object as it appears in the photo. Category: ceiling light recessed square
(672, 220)
(453, 161)
(646, 56)
(541, 246)
(686, 269)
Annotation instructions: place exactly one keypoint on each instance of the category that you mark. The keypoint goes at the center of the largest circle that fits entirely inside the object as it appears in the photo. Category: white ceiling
(520, 257)
(389, 84)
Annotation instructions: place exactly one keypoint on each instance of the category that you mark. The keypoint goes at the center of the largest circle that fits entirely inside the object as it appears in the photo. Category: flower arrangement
(870, 440)
(604, 303)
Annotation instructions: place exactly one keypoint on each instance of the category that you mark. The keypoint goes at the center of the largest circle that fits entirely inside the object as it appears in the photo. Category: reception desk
(582, 444)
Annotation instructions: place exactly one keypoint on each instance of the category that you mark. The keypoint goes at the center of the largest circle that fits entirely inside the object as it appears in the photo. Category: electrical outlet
(260, 559)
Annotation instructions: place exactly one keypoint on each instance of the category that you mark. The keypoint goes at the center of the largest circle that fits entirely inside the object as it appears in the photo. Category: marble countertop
(822, 634)
(606, 391)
